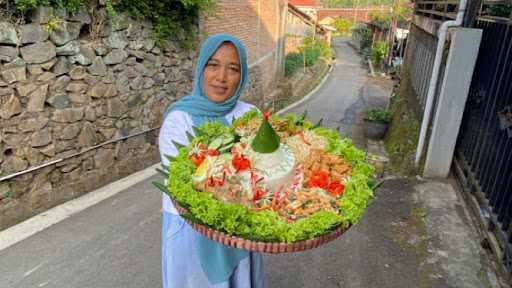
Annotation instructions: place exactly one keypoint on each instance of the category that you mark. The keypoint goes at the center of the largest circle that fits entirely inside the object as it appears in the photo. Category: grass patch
(402, 137)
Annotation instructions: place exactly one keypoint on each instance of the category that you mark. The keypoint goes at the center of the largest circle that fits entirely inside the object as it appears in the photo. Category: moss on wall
(402, 137)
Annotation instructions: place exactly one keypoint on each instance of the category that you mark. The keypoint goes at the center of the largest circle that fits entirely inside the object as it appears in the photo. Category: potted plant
(376, 121)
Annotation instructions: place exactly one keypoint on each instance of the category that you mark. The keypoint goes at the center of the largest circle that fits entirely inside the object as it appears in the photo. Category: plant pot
(375, 129)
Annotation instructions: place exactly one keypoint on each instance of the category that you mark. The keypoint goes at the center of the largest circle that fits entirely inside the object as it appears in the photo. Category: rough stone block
(41, 138)
(39, 52)
(32, 33)
(66, 32)
(8, 33)
(71, 48)
(37, 99)
(68, 115)
(59, 101)
(10, 108)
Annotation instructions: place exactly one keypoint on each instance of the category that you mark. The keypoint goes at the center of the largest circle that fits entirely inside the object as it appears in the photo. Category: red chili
(281, 201)
(276, 194)
(319, 179)
(211, 181)
(240, 163)
(336, 188)
(197, 159)
(212, 152)
(220, 182)
(257, 195)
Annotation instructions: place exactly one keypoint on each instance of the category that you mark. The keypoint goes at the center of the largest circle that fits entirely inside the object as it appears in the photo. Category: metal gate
(484, 146)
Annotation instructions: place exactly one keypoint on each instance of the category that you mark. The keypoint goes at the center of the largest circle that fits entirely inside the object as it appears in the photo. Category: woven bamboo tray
(257, 246)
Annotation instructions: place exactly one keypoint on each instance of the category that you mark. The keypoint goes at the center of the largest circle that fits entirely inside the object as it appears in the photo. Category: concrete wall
(260, 26)
(68, 91)
(455, 85)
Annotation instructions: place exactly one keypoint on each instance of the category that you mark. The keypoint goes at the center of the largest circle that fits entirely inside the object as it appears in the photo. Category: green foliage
(402, 137)
(53, 23)
(292, 62)
(501, 10)
(378, 52)
(378, 114)
(68, 5)
(365, 37)
(381, 19)
(171, 18)
(343, 25)
(309, 52)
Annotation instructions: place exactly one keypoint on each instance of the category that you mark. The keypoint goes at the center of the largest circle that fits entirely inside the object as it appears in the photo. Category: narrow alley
(116, 243)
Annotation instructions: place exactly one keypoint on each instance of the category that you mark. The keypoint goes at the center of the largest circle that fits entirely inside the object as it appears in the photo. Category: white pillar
(451, 101)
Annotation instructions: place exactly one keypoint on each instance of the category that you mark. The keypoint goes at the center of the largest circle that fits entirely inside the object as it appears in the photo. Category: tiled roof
(299, 3)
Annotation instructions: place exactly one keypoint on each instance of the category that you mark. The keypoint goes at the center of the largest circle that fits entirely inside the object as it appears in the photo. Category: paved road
(345, 93)
(116, 243)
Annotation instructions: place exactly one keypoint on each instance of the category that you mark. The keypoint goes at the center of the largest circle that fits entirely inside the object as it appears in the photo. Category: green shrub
(314, 49)
(292, 62)
(171, 18)
(378, 52)
(343, 25)
(311, 54)
(378, 114)
(69, 5)
(381, 19)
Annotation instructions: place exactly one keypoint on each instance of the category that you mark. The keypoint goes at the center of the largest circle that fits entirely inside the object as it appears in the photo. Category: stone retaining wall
(70, 82)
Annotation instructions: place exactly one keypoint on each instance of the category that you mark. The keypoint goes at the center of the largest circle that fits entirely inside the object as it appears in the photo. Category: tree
(343, 25)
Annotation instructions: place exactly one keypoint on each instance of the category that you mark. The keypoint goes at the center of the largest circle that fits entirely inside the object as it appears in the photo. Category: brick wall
(259, 24)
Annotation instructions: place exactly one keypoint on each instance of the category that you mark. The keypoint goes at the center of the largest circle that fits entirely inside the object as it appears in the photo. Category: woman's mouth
(219, 89)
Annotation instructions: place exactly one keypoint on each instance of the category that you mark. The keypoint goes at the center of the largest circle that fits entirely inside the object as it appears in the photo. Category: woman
(188, 258)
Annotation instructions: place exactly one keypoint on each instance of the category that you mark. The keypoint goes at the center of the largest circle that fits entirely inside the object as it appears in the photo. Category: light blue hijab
(218, 261)
(197, 104)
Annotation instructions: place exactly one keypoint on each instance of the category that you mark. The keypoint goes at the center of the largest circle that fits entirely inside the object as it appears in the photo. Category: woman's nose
(222, 74)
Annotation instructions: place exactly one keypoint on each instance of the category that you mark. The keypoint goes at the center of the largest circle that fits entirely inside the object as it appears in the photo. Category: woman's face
(222, 73)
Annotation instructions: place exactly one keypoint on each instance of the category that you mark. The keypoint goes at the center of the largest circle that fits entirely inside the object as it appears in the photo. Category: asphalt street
(116, 243)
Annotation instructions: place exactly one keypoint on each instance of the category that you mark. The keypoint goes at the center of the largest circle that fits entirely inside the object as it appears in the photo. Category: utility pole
(392, 30)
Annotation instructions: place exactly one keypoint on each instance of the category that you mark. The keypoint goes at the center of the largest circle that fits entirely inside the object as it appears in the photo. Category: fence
(484, 147)
(421, 51)
(437, 9)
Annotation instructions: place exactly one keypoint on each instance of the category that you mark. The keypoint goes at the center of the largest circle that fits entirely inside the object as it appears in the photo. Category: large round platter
(258, 246)
(268, 183)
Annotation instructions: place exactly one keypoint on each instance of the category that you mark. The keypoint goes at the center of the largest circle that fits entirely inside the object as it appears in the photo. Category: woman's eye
(235, 69)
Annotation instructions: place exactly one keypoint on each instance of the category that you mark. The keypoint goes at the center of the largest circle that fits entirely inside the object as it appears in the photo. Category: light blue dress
(189, 259)
(181, 262)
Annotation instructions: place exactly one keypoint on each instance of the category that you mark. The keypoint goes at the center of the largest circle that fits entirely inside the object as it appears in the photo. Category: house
(310, 7)
(260, 25)
(300, 25)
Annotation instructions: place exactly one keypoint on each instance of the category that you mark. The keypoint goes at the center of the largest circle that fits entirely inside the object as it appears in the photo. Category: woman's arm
(174, 129)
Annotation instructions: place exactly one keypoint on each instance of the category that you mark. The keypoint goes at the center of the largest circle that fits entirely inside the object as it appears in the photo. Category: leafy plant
(365, 36)
(292, 62)
(343, 25)
(380, 114)
(500, 10)
(378, 51)
(53, 24)
(171, 18)
(381, 19)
